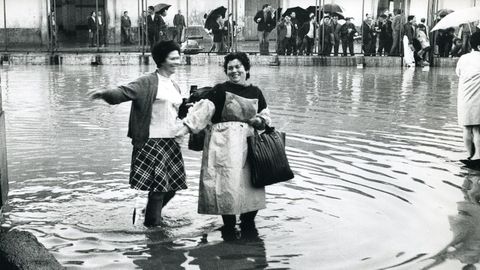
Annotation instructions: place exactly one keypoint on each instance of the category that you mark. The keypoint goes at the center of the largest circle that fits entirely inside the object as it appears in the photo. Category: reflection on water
(374, 152)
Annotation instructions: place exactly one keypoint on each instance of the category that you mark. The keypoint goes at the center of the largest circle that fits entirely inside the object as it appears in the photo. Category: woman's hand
(257, 123)
(94, 94)
(181, 134)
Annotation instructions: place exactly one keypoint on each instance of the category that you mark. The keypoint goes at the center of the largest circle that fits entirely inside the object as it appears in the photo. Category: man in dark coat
(385, 36)
(297, 44)
(153, 20)
(125, 25)
(265, 19)
(369, 36)
(307, 33)
(347, 34)
(92, 28)
(327, 38)
(179, 24)
(397, 33)
(336, 34)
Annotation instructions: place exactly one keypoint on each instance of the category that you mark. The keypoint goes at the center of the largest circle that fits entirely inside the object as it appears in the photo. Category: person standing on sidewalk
(347, 34)
(92, 28)
(126, 29)
(179, 24)
(265, 20)
(397, 32)
(153, 20)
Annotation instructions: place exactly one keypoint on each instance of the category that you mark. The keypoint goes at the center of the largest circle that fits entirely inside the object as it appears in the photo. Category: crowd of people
(152, 28)
(388, 35)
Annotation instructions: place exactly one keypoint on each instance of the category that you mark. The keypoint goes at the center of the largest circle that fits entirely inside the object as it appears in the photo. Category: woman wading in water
(157, 163)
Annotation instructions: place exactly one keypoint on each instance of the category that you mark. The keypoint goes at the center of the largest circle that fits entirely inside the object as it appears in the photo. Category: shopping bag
(267, 158)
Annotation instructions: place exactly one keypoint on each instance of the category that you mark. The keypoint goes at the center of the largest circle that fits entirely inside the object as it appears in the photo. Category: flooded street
(374, 151)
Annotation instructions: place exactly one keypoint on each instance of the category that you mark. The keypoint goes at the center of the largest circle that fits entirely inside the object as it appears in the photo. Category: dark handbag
(267, 158)
(195, 141)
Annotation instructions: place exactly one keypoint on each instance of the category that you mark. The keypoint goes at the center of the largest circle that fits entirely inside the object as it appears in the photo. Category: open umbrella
(300, 13)
(332, 8)
(160, 7)
(212, 16)
(444, 12)
(457, 18)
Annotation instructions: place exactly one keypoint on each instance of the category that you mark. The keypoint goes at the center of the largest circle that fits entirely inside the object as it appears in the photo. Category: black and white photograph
(240, 134)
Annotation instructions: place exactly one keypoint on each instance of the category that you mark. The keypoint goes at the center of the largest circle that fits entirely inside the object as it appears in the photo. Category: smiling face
(236, 72)
(171, 62)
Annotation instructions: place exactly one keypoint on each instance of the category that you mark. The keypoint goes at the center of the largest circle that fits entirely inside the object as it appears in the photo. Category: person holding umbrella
(265, 18)
(162, 25)
(219, 30)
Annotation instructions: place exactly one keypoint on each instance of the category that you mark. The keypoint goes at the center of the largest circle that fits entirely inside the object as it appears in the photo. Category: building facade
(26, 22)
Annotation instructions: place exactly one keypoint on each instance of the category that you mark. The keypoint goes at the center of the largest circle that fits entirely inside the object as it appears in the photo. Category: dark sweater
(142, 92)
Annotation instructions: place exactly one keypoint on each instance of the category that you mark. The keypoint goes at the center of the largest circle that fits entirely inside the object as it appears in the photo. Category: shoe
(228, 233)
(249, 231)
(426, 63)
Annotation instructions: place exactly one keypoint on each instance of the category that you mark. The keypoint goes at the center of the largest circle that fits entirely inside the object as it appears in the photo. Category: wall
(26, 22)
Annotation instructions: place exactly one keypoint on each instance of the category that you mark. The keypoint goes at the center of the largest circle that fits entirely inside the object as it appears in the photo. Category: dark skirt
(158, 166)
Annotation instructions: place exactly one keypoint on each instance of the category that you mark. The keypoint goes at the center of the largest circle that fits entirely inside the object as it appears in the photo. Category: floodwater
(375, 154)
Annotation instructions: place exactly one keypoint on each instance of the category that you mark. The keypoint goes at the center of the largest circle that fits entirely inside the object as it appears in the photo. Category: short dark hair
(265, 5)
(475, 40)
(161, 50)
(383, 16)
(410, 17)
(151, 8)
(240, 56)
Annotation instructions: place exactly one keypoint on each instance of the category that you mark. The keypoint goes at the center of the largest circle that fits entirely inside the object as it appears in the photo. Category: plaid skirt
(158, 166)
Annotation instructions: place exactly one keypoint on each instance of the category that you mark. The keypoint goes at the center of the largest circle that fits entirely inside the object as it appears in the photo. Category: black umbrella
(213, 15)
(300, 13)
(332, 8)
(160, 7)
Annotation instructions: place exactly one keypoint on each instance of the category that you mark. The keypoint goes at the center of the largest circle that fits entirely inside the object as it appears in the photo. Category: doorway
(72, 20)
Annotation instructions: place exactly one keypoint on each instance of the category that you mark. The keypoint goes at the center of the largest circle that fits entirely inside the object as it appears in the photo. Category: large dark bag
(267, 158)
(195, 141)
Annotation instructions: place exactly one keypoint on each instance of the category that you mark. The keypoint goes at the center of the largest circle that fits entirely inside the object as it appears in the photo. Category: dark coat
(409, 31)
(344, 35)
(386, 32)
(125, 22)
(152, 25)
(303, 31)
(282, 30)
(368, 33)
(327, 33)
(179, 20)
(92, 24)
(218, 32)
(267, 24)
